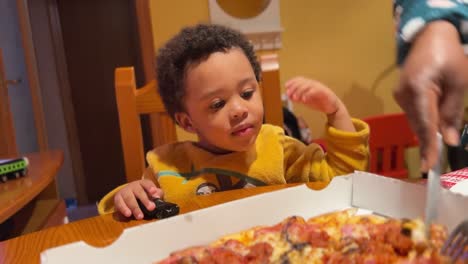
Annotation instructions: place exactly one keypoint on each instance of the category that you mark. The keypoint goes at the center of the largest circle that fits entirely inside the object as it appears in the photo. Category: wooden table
(15, 194)
(32, 200)
(103, 230)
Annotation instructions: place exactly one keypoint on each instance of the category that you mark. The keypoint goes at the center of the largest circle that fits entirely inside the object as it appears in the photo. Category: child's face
(223, 102)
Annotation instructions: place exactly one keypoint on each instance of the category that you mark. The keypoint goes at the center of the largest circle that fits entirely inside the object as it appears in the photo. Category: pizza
(338, 237)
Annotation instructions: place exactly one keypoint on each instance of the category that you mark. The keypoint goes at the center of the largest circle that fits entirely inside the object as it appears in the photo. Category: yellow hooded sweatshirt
(184, 170)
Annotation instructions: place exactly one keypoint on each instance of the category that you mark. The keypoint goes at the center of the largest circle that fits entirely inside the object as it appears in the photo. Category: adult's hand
(432, 83)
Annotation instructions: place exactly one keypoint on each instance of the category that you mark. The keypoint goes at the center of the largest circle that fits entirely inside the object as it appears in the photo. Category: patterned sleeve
(412, 15)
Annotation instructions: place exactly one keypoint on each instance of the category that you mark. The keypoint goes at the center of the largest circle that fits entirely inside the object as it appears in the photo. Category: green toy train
(13, 168)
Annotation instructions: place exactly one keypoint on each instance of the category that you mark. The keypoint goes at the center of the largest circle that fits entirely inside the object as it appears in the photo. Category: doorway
(98, 36)
(76, 47)
(17, 116)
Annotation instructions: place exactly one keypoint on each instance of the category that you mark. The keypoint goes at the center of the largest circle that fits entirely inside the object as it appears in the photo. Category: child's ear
(184, 121)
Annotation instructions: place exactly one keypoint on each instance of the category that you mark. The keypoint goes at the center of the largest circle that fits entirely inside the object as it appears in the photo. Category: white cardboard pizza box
(154, 241)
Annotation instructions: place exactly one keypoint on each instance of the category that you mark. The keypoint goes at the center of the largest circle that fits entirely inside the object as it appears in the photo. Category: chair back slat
(162, 136)
(148, 100)
(130, 126)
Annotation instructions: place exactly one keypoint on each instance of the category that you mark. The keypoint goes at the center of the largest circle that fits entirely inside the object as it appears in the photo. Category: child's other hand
(125, 200)
(319, 97)
(313, 94)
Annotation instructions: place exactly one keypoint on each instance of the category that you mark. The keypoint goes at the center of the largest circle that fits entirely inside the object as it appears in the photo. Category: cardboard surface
(461, 187)
(387, 196)
(153, 241)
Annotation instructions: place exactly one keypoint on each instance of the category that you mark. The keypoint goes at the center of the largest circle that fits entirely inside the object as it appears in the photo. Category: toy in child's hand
(163, 209)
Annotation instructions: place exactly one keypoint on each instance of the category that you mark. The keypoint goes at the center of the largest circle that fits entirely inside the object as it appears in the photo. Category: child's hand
(125, 200)
(319, 97)
(313, 94)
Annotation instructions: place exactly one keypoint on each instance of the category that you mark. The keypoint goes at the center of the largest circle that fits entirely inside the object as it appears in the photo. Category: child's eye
(247, 94)
(217, 104)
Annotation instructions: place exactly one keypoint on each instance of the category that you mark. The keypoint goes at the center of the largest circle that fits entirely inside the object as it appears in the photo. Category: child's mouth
(243, 131)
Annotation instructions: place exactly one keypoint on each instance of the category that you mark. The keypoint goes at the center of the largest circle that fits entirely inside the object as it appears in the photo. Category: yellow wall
(345, 44)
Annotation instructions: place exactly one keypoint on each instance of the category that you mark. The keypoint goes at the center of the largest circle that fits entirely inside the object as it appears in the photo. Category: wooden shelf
(35, 216)
(39, 182)
(45, 213)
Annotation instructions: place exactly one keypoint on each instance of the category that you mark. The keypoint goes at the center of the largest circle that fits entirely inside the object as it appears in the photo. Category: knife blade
(433, 187)
(464, 138)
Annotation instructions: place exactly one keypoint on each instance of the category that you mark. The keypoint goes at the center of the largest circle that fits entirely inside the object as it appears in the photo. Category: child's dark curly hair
(192, 46)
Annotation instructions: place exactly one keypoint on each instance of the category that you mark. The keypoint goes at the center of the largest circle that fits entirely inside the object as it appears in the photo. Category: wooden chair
(133, 102)
(271, 89)
(390, 136)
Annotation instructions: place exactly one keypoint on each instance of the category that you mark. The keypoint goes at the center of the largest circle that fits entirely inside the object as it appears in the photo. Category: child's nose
(238, 111)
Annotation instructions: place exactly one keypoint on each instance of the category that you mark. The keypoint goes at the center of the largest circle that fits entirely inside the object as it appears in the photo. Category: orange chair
(390, 136)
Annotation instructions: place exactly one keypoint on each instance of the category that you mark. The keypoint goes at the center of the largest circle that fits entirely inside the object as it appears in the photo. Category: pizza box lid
(153, 241)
